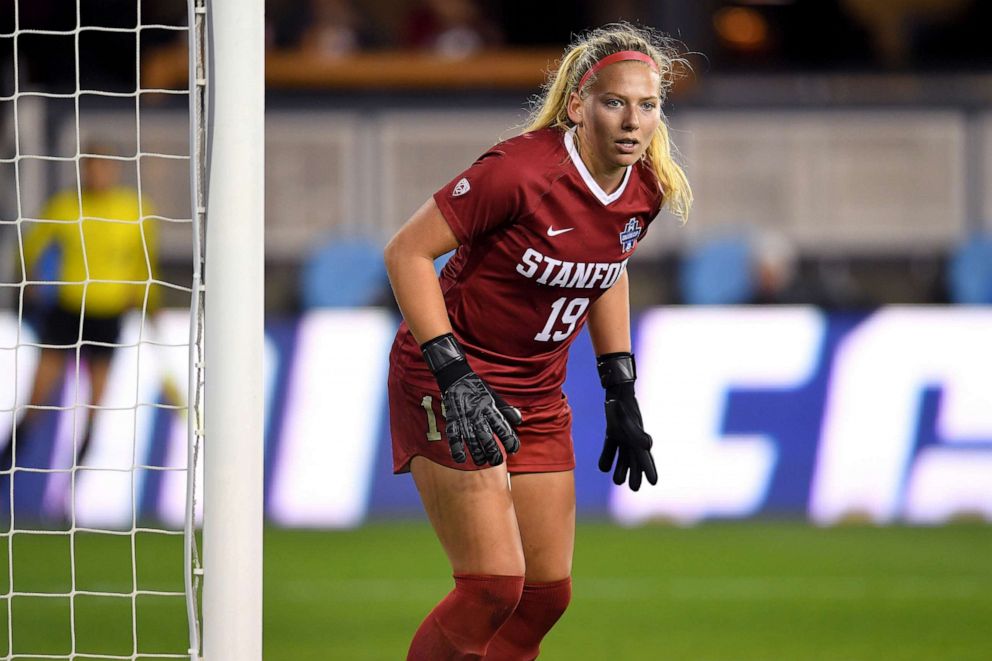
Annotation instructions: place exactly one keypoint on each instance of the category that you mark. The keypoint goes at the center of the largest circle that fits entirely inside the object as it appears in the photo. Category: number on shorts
(571, 315)
(432, 433)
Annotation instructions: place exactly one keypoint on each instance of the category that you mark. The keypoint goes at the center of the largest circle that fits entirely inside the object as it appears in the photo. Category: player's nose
(630, 119)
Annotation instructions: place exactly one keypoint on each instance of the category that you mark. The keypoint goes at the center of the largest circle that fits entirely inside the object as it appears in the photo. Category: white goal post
(233, 282)
(87, 521)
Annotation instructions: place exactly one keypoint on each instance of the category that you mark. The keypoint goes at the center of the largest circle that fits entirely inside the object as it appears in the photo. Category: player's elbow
(406, 251)
(397, 254)
(392, 254)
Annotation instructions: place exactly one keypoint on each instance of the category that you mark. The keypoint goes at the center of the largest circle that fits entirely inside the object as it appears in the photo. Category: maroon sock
(541, 605)
(461, 626)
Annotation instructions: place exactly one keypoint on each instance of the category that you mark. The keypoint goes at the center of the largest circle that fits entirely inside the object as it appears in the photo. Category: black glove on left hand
(626, 440)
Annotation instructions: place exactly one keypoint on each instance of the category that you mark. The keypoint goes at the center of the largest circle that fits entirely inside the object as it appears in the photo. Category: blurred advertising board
(778, 411)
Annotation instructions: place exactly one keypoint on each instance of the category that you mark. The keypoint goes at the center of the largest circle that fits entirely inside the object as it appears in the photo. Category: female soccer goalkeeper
(543, 224)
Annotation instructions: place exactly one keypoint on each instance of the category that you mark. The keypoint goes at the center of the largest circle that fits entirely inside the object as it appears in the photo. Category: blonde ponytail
(551, 108)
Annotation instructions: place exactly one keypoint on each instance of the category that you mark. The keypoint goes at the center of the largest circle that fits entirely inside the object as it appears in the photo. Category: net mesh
(97, 489)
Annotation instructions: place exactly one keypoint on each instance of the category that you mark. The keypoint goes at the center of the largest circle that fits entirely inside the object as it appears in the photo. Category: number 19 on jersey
(563, 313)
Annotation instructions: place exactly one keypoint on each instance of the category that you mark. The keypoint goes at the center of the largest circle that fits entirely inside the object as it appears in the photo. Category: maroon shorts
(417, 428)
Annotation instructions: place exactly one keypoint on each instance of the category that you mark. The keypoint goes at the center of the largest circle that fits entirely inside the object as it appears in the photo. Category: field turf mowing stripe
(717, 592)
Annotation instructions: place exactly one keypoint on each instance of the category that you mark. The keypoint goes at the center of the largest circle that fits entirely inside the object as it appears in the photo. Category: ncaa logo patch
(461, 188)
(629, 235)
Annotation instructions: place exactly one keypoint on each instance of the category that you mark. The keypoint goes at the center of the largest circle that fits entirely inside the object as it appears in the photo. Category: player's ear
(575, 108)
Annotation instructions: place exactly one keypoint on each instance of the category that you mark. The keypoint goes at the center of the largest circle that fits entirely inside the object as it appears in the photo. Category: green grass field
(727, 592)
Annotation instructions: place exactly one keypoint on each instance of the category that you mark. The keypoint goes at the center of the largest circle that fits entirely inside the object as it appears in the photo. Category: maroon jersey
(540, 241)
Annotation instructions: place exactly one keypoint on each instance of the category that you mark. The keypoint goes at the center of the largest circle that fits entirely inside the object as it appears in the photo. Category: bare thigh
(545, 507)
(99, 368)
(472, 514)
(50, 367)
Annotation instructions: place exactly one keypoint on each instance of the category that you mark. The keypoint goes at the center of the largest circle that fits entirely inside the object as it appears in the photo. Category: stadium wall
(756, 412)
(835, 180)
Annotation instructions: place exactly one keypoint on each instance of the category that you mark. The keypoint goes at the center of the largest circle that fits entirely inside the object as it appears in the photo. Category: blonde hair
(551, 108)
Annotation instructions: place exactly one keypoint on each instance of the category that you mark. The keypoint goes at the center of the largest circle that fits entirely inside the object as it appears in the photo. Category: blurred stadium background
(814, 346)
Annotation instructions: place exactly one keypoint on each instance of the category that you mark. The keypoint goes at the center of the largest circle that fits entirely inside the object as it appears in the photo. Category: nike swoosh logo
(553, 232)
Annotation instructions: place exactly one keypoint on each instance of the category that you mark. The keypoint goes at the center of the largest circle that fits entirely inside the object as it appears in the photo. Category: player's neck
(608, 178)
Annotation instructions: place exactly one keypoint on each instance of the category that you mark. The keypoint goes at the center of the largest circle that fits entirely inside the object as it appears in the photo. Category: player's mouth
(627, 145)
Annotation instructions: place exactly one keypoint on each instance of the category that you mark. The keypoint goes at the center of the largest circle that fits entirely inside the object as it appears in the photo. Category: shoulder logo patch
(629, 235)
(461, 188)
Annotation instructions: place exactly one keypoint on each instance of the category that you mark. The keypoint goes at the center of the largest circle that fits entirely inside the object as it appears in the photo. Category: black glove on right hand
(626, 440)
(473, 412)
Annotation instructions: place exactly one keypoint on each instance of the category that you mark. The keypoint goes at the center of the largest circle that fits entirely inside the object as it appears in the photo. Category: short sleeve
(482, 198)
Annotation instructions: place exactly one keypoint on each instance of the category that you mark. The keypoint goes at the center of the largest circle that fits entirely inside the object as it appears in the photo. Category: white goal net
(101, 335)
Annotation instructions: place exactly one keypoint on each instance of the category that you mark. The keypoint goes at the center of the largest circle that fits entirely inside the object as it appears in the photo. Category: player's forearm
(609, 319)
(417, 292)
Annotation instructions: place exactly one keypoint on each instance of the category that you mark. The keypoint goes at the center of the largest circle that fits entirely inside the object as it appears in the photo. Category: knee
(498, 596)
(540, 607)
(465, 622)
(481, 605)
(551, 598)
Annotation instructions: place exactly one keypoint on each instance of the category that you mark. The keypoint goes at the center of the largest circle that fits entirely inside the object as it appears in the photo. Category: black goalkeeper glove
(473, 412)
(626, 441)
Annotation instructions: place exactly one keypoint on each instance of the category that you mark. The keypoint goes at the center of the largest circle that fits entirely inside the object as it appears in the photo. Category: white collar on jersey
(594, 188)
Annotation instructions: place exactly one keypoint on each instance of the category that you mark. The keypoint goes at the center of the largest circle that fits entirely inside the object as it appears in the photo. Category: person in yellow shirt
(107, 245)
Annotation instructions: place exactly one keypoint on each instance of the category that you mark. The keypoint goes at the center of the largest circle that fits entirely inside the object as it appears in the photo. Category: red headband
(618, 57)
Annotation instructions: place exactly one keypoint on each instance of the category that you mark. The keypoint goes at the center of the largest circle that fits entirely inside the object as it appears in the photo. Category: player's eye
(649, 105)
(613, 103)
